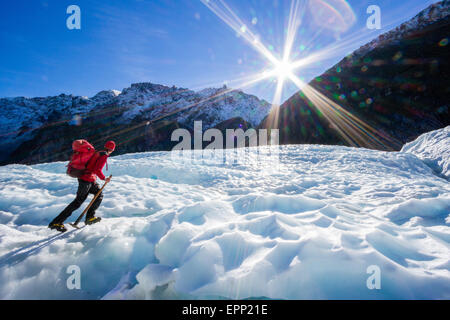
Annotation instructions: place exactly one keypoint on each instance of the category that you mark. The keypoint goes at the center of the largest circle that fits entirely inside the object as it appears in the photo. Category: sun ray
(227, 15)
(278, 92)
(354, 130)
(294, 23)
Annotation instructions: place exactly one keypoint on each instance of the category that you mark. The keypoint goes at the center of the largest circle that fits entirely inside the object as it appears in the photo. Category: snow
(434, 149)
(306, 227)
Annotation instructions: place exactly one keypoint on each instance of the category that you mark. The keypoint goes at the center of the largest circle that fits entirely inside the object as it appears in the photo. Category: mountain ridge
(29, 125)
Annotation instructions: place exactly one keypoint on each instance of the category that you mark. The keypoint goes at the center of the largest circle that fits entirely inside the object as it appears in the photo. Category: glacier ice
(306, 228)
(434, 149)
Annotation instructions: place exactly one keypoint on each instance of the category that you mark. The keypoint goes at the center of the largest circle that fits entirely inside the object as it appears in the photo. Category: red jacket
(95, 166)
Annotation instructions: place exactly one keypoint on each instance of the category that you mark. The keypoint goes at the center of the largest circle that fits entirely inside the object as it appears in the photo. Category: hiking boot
(57, 226)
(92, 220)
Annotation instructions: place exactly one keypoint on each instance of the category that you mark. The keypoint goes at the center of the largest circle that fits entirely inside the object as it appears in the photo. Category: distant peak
(107, 94)
(212, 91)
(147, 86)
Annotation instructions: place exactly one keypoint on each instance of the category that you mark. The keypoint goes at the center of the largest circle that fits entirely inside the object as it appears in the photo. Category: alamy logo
(374, 21)
(216, 147)
(74, 280)
(74, 20)
(374, 281)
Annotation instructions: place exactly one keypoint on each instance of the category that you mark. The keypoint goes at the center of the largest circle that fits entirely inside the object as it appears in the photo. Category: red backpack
(82, 153)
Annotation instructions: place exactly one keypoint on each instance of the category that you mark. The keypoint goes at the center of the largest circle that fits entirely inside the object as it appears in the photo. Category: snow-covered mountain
(20, 116)
(212, 105)
(22, 113)
(308, 226)
(29, 123)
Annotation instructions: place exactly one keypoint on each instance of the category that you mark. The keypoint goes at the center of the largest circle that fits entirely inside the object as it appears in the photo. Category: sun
(283, 69)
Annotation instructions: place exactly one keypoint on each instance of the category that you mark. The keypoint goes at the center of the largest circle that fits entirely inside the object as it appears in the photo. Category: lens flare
(335, 15)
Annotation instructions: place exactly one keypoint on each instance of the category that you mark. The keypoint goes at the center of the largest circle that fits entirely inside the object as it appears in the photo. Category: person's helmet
(110, 145)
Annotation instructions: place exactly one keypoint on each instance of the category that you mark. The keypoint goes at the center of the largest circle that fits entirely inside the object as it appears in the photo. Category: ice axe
(75, 225)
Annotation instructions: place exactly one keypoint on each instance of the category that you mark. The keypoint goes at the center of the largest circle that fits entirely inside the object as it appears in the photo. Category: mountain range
(141, 118)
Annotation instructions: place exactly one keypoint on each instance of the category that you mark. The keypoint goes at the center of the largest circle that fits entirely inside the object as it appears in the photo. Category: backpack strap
(103, 153)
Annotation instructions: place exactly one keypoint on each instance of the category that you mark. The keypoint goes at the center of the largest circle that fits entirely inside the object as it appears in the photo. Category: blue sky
(172, 42)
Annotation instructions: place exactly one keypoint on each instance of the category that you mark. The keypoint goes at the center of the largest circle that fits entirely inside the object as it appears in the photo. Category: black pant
(84, 188)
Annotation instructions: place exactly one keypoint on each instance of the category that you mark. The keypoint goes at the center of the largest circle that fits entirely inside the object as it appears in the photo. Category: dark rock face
(399, 85)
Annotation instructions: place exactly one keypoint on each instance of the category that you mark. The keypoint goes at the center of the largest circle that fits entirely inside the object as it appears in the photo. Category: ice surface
(307, 227)
(434, 149)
